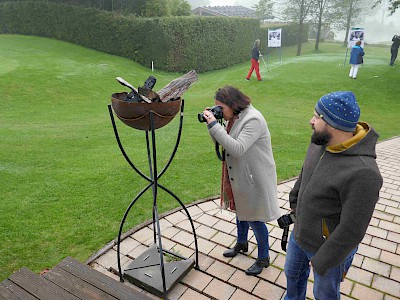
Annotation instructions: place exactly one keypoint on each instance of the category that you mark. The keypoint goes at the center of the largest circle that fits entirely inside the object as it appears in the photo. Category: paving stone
(395, 274)
(224, 239)
(266, 290)
(376, 266)
(221, 270)
(107, 259)
(204, 246)
(384, 244)
(125, 261)
(207, 220)
(144, 235)
(240, 295)
(177, 291)
(389, 226)
(369, 251)
(376, 231)
(242, 262)
(183, 251)
(204, 262)
(390, 258)
(127, 245)
(243, 281)
(357, 260)
(219, 290)
(186, 225)
(346, 287)
(205, 232)
(175, 218)
(207, 206)
(386, 285)
(184, 238)
(281, 280)
(217, 254)
(271, 274)
(169, 232)
(190, 294)
(195, 211)
(196, 279)
(360, 275)
(164, 224)
(394, 237)
(137, 251)
(167, 244)
(280, 261)
(224, 226)
(226, 215)
(392, 210)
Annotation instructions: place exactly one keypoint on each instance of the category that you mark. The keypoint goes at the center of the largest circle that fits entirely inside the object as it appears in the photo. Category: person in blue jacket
(356, 58)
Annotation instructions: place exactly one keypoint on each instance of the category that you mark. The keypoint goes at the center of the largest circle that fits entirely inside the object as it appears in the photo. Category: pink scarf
(227, 199)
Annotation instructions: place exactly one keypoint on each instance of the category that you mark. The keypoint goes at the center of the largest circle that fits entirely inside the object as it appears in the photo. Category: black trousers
(394, 52)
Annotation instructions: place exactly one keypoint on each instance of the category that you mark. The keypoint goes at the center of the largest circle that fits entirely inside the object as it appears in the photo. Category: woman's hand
(208, 115)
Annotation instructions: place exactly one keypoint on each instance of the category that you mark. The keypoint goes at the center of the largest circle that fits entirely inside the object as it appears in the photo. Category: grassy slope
(64, 184)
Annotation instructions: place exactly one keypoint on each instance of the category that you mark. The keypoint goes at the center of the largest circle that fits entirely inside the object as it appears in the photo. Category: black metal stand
(144, 270)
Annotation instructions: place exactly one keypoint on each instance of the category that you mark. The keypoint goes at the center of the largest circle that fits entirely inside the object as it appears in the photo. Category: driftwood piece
(177, 87)
(134, 90)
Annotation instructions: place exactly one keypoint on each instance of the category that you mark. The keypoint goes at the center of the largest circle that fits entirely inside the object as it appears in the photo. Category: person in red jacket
(255, 64)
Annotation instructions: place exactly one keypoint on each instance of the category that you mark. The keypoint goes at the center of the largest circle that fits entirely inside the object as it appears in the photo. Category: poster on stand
(355, 34)
(274, 38)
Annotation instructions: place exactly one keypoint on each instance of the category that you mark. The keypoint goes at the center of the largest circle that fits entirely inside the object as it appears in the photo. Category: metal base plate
(145, 272)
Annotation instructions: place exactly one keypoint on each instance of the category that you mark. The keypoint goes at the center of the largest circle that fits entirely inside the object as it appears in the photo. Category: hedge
(175, 44)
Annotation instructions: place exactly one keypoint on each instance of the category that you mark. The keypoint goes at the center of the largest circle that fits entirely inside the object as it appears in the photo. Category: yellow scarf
(360, 132)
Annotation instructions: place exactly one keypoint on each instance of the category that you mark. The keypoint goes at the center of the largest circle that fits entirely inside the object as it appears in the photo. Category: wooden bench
(69, 280)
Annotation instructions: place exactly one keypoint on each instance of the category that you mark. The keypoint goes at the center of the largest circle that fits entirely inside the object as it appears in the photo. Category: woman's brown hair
(233, 98)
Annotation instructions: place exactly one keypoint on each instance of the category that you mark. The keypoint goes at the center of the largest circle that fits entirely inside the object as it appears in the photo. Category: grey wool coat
(251, 166)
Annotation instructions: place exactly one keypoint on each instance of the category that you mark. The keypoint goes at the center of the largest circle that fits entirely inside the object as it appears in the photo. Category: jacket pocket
(249, 176)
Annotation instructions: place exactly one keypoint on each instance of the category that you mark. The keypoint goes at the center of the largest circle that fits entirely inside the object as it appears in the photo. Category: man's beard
(321, 138)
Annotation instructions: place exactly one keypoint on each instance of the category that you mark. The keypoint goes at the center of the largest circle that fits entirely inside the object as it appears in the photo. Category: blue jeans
(260, 231)
(297, 269)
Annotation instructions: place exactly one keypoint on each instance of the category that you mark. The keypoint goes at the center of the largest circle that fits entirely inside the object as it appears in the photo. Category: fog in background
(379, 27)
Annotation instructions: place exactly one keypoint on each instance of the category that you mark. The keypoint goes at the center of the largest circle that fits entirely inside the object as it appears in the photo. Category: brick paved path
(375, 273)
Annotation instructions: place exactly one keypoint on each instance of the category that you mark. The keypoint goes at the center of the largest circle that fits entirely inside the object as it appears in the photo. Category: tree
(393, 5)
(348, 12)
(264, 9)
(197, 3)
(179, 8)
(297, 11)
(321, 11)
(157, 8)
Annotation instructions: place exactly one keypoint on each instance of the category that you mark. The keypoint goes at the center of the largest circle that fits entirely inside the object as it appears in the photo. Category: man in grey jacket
(333, 198)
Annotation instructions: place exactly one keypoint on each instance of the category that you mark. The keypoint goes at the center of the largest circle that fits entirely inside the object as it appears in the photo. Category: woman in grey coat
(248, 172)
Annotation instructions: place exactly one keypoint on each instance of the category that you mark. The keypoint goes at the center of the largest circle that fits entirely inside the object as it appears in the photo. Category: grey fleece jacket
(340, 190)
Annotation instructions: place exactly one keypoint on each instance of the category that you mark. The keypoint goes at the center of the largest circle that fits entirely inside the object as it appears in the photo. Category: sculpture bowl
(137, 115)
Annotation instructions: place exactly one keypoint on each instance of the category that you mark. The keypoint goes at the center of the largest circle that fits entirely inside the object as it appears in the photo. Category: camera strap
(221, 157)
(285, 235)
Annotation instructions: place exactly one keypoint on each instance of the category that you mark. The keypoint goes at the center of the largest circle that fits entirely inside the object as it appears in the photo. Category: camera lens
(201, 118)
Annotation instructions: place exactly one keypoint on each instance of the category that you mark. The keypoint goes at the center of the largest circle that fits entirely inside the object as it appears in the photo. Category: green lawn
(64, 183)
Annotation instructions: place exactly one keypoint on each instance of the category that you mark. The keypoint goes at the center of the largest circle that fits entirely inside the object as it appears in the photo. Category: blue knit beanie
(340, 110)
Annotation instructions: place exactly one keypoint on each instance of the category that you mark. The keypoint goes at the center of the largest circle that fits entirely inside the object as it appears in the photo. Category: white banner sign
(355, 34)
(274, 38)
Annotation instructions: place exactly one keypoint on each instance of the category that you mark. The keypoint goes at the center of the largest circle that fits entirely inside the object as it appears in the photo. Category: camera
(284, 223)
(216, 111)
(286, 220)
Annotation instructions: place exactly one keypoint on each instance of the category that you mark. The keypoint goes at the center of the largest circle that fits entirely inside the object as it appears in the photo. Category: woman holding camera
(249, 182)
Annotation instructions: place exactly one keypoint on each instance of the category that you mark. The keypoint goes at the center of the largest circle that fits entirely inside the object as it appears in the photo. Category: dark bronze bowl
(137, 115)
